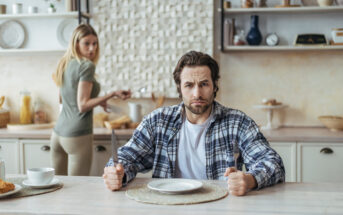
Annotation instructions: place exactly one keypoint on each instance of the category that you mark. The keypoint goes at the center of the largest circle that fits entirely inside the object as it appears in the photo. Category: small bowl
(309, 2)
(334, 123)
(40, 176)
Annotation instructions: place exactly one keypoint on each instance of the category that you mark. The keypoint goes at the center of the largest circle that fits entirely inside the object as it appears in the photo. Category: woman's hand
(122, 94)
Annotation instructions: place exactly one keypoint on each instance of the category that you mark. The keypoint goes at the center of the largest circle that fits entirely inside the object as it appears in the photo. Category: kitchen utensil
(324, 3)
(236, 152)
(334, 123)
(114, 148)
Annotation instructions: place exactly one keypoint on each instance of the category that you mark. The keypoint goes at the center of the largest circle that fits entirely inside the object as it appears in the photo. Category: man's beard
(198, 109)
(201, 108)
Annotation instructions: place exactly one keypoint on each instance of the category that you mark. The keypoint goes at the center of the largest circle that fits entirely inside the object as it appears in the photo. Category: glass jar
(39, 115)
(2, 170)
(25, 107)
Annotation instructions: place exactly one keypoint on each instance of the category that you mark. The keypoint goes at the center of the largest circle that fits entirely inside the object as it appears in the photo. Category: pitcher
(135, 112)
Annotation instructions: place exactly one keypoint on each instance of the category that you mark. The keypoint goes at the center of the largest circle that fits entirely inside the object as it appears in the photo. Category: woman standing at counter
(72, 138)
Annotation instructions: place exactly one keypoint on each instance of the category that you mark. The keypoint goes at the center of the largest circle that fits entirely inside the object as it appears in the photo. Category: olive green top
(71, 122)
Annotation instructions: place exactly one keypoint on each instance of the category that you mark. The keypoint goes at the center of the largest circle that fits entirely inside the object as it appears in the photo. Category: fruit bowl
(334, 123)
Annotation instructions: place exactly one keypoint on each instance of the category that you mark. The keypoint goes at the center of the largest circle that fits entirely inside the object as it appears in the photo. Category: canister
(25, 107)
(337, 35)
(2, 169)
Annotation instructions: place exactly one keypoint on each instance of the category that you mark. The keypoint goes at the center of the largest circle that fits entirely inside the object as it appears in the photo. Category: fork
(235, 153)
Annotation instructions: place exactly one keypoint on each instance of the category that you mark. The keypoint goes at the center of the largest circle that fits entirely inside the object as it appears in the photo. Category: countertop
(285, 134)
(88, 195)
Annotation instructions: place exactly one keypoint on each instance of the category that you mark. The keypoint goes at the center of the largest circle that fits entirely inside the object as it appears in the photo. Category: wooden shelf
(318, 9)
(281, 48)
(8, 52)
(73, 14)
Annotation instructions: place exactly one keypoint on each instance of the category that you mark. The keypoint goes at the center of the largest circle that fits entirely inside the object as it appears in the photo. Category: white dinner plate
(12, 34)
(65, 30)
(29, 184)
(16, 190)
(174, 186)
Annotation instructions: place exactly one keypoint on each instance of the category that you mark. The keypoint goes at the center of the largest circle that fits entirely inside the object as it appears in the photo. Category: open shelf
(285, 10)
(8, 52)
(73, 14)
(281, 48)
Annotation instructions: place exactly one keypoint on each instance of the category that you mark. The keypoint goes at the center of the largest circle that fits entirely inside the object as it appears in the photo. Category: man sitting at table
(196, 138)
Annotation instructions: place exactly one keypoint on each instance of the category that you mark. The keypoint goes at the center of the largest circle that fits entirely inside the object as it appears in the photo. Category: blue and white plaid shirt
(154, 145)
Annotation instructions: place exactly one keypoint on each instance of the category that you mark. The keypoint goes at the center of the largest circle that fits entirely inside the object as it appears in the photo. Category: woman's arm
(86, 103)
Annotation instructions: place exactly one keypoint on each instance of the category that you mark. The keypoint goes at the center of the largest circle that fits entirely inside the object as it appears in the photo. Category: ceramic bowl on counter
(334, 123)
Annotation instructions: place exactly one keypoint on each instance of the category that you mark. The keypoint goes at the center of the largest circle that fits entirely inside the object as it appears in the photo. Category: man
(196, 138)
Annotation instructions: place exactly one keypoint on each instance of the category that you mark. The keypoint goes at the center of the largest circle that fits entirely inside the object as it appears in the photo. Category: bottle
(2, 170)
(254, 36)
(39, 115)
(25, 107)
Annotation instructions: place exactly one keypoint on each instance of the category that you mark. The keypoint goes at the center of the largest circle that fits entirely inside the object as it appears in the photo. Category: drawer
(320, 162)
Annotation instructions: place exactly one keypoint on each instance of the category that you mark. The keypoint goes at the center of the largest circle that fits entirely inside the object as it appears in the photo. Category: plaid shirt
(154, 145)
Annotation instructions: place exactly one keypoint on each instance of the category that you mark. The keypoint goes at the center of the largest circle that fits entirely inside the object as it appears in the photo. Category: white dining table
(88, 195)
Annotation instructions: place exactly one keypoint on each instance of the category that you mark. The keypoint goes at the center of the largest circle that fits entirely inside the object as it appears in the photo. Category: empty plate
(174, 186)
(12, 34)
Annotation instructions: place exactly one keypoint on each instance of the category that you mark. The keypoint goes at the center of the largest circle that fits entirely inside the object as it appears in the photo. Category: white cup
(135, 112)
(40, 176)
(32, 9)
(17, 8)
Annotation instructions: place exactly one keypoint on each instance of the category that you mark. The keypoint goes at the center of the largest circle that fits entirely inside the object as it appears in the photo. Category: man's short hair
(194, 58)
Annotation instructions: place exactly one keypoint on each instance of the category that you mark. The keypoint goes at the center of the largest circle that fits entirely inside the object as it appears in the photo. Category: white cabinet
(287, 151)
(9, 152)
(35, 153)
(101, 154)
(320, 162)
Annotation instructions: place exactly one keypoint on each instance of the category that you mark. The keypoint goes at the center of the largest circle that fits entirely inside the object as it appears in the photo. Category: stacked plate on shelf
(12, 34)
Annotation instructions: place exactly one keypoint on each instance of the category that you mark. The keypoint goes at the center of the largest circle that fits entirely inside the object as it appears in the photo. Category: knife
(114, 148)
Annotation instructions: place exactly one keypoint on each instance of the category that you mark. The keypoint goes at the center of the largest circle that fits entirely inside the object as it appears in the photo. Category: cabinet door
(287, 151)
(320, 162)
(101, 154)
(9, 152)
(36, 153)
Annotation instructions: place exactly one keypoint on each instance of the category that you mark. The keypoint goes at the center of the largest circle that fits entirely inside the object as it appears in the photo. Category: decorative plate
(12, 34)
(65, 30)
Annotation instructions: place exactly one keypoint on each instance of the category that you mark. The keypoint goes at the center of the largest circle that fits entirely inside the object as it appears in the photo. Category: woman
(72, 138)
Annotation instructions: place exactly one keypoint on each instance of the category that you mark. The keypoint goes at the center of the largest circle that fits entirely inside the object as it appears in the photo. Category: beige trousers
(72, 155)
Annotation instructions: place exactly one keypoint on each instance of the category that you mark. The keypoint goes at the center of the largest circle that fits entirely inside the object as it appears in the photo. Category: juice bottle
(25, 107)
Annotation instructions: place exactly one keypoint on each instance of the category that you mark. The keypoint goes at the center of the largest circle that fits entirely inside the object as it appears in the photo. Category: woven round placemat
(27, 191)
(209, 192)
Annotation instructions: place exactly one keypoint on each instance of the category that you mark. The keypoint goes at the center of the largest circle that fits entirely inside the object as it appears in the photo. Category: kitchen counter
(88, 195)
(292, 134)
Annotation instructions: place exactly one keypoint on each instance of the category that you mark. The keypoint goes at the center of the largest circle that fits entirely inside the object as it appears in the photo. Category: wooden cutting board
(22, 127)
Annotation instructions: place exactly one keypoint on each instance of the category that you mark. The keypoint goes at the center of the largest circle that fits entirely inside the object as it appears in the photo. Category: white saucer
(29, 184)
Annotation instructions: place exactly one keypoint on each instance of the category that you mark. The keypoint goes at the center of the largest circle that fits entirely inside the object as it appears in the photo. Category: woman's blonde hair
(73, 51)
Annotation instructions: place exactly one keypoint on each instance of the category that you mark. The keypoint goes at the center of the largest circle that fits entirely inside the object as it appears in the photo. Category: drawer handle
(100, 148)
(326, 151)
(45, 148)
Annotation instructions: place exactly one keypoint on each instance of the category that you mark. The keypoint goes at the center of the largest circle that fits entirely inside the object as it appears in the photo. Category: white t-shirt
(191, 158)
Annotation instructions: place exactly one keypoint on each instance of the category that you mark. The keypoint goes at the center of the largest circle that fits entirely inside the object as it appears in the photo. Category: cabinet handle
(326, 151)
(45, 148)
(0, 147)
(100, 148)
